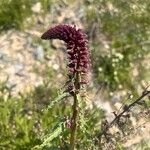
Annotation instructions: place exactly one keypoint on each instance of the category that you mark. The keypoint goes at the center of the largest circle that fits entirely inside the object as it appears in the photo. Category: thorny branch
(145, 93)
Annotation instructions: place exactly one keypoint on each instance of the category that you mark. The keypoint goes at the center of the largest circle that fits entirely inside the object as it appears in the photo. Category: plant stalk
(74, 123)
(75, 111)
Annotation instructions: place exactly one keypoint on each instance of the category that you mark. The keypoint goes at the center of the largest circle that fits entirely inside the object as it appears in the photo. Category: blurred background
(32, 70)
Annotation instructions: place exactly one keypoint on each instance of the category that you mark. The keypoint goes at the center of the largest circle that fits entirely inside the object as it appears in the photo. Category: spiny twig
(145, 93)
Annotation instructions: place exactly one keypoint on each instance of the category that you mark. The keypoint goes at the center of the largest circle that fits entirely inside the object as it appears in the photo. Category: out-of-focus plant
(13, 13)
(18, 122)
(120, 39)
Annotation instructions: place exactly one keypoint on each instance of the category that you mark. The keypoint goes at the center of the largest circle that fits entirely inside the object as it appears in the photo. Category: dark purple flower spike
(77, 48)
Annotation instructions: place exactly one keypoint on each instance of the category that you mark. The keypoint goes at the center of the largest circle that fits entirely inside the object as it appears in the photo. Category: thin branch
(126, 109)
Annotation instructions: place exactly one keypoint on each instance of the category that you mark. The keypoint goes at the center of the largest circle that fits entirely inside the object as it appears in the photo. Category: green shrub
(119, 41)
(13, 13)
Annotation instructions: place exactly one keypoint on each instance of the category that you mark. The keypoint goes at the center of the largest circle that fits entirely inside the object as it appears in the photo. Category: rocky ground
(17, 59)
(20, 57)
(20, 54)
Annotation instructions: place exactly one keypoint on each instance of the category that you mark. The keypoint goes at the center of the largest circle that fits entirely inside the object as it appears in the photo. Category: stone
(38, 53)
(36, 8)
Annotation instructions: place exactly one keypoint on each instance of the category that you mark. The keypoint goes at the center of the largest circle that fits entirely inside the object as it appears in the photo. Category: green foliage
(17, 129)
(57, 100)
(120, 39)
(46, 5)
(24, 126)
(20, 123)
(58, 129)
(13, 13)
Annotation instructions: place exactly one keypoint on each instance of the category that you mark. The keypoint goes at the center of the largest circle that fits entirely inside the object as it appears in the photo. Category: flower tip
(44, 36)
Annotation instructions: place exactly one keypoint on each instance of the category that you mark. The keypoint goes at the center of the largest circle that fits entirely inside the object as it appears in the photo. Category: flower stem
(75, 111)
(74, 123)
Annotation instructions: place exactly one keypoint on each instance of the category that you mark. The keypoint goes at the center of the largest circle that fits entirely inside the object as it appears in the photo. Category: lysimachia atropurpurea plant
(78, 67)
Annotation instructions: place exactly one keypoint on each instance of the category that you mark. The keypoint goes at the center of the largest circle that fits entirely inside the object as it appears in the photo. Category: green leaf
(58, 129)
(59, 99)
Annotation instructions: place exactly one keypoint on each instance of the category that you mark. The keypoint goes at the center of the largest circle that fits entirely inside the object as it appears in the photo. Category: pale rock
(38, 53)
(118, 105)
(55, 66)
(36, 8)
